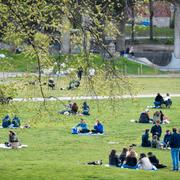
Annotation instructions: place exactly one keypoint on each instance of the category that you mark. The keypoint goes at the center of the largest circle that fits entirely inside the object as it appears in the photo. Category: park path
(39, 99)
(4, 75)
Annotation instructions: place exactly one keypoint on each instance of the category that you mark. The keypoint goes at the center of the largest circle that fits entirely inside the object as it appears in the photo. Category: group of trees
(36, 24)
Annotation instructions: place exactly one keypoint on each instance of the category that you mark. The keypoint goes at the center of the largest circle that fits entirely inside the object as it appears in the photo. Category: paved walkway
(19, 74)
(38, 99)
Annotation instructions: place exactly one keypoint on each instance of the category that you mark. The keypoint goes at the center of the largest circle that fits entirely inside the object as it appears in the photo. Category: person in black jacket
(113, 158)
(122, 156)
(158, 101)
(156, 130)
(145, 139)
(131, 160)
(175, 149)
(153, 159)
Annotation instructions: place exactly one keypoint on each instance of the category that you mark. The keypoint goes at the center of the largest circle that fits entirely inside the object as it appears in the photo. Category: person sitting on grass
(98, 128)
(85, 109)
(73, 84)
(155, 142)
(167, 101)
(16, 122)
(74, 108)
(153, 159)
(145, 139)
(113, 158)
(51, 83)
(158, 100)
(164, 119)
(156, 129)
(144, 163)
(131, 160)
(68, 107)
(13, 140)
(156, 117)
(122, 156)
(6, 121)
(83, 127)
(166, 139)
(144, 117)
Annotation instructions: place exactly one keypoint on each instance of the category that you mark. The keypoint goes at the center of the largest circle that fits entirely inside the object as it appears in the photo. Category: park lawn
(24, 63)
(101, 87)
(54, 153)
(144, 31)
(17, 62)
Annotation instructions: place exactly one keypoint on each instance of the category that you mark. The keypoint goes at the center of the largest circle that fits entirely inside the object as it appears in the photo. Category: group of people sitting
(72, 108)
(128, 158)
(158, 115)
(8, 123)
(156, 132)
(159, 101)
(82, 127)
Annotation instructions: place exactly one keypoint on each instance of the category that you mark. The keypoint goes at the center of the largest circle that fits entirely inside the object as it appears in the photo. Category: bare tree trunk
(151, 34)
(120, 39)
(177, 31)
(132, 24)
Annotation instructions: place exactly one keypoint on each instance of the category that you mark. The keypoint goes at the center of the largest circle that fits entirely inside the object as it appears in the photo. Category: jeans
(175, 158)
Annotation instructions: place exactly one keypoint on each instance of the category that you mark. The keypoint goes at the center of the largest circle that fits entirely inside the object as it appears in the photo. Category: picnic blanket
(90, 134)
(19, 147)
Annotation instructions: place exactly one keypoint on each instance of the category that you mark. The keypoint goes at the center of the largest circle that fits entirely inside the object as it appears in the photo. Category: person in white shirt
(144, 163)
(167, 100)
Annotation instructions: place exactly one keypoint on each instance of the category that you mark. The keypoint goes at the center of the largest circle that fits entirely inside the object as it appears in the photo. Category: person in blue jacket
(83, 126)
(98, 127)
(16, 121)
(85, 109)
(6, 121)
(175, 149)
(167, 138)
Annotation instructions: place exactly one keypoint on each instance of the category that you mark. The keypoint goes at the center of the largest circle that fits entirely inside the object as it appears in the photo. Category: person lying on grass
(153, 159)
(98, 128)
(83, 128)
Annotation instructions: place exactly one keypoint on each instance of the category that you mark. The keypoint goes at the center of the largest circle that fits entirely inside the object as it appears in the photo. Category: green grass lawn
(54, 153)
(101, 87)
(23, 63)
(144, 31)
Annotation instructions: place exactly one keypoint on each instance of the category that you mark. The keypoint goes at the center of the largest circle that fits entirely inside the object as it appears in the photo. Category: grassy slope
(139, 85)
(54, 153)
(17, 62)
(22, 63)
(144, 31)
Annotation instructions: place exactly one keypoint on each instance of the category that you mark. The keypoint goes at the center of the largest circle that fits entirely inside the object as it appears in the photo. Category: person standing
(175, 149)
(156, 130)
(80, 73)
